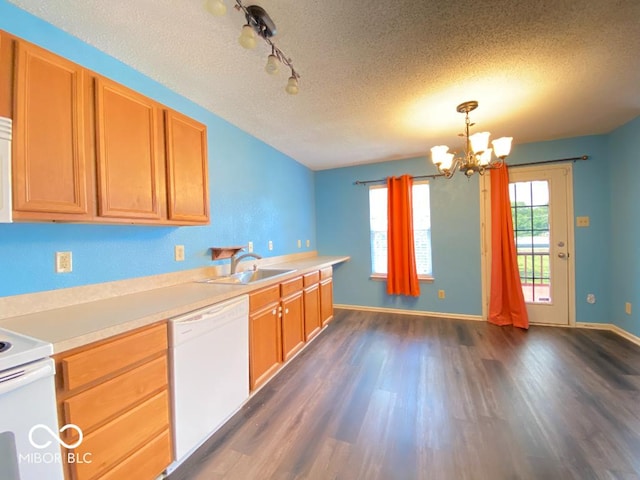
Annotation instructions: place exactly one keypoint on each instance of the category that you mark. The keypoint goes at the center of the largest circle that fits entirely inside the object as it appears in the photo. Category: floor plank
(388, 396)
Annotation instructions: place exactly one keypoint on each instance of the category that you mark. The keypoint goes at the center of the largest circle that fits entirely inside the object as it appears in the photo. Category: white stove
(28, 413)
(16, 349)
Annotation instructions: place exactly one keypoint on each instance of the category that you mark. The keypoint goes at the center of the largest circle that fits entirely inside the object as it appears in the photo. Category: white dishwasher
(209, 351)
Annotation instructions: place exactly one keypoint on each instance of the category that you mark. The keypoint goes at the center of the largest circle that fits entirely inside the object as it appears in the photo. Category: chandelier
(259, 23)
(477, 156)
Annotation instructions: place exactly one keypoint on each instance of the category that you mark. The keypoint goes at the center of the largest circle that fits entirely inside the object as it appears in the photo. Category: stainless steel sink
(249, 276)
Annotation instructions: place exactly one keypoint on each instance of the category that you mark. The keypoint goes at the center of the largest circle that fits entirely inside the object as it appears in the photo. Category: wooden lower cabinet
(326, 295)
(292, 317)
(117, 392)
(265, 353)
(311, 296)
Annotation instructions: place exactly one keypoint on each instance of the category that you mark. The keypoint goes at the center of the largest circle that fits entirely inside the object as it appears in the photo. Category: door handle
(562, 255)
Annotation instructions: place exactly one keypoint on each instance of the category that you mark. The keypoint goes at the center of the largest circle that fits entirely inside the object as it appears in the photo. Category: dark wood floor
(386, 396)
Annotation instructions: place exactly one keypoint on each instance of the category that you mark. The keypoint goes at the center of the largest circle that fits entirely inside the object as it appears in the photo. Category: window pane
(421, 227)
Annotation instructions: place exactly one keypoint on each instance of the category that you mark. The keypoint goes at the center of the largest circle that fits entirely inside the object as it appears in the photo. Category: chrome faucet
(235, 260)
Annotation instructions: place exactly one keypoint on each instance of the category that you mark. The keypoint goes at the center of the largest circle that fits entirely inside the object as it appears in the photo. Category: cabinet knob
(286, 310)
(273, 312)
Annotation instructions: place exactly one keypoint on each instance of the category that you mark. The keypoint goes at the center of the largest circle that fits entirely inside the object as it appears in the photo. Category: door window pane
(530, 213)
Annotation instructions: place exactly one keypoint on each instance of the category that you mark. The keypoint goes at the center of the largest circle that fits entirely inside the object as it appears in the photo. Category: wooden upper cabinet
(50, 176)
(128, 153)
(187, 177)
(7, 50)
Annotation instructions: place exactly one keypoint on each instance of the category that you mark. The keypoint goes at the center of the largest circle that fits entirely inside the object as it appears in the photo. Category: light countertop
(77, 325)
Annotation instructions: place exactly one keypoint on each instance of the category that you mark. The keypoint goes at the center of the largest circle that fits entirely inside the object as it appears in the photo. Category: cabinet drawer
(291, 286)
(147, 462)
(311, 278)
(103, 401)
(326, 272)
(118, 439)
(264, 297)
(96, 362)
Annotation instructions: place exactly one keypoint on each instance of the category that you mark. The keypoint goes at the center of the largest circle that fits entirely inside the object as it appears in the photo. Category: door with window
(541, 209)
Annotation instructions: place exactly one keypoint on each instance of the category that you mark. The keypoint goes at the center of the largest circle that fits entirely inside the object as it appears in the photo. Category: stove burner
(4, 346)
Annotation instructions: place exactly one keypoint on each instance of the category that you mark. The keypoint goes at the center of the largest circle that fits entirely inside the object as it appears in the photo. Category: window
(421, 229)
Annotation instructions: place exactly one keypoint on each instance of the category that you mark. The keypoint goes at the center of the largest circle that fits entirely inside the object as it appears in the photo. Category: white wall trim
(453, 316)
(612, 328)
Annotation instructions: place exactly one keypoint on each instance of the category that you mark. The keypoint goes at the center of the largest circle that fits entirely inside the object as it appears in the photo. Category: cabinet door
(129, 153)
(187, 177)
(264, 345)
(326, 301)
(49, 166)
(7, 63)
(292, 326)
(312, 323)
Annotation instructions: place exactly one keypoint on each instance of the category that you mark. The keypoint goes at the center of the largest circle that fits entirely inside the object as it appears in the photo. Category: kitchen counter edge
(79, 325)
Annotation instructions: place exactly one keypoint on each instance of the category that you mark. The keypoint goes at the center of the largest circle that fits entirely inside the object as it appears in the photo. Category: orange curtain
(506, 305)
(402, 275)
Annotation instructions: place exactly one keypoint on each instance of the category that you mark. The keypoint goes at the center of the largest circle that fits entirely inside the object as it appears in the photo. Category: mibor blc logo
(36, 440)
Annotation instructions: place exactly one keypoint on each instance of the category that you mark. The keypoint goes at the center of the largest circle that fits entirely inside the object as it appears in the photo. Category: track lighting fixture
(259, 22)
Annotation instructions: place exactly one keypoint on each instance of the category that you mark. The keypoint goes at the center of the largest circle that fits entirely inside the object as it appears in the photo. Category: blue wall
(624, 145)
(257, 194)
(343, 228)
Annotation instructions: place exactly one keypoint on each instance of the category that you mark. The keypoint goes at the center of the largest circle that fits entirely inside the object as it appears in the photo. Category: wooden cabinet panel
(311, 278)
(91, 364)
(50, 174)
(129, 153)
(187, 177)
(118, 439)
(312, 323)
(264, 345)
(293, 336)
(6, 75)
(107, 399)
(289, 287)
(326, 301)
(264, 297)
(147, 462)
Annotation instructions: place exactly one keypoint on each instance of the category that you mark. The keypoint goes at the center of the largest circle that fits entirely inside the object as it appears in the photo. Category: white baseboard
(612, 328)
(455, 316)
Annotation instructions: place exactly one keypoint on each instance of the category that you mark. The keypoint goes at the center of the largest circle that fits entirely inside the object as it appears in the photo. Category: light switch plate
(270, 245)
(250, 246)
(179, 253)
(582, 221)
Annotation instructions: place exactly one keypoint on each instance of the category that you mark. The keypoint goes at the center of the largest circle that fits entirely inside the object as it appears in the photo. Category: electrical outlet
(627, 308)
(308, 243)
(250, 246)
(179, 253)
(441, 294)
(299, 243)
(64, 262)
(270, 245)
(582, 221)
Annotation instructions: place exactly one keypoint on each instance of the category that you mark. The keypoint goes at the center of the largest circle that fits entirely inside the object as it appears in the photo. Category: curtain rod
(559, 160)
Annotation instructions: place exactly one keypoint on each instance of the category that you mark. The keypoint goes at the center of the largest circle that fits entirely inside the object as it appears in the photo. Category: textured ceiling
(381, 79)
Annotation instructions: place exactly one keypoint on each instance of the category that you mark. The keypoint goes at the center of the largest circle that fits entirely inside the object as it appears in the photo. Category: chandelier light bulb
(247, 37)
(217, 8)
(438, 154)
(485, 158)
(479, 141)
(292, 86)
(272, 65)
(447, 161)
(502, 146)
